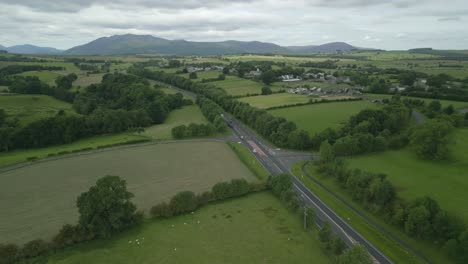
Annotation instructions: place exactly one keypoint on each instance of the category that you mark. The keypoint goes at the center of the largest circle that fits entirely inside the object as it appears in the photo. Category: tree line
(119, 103)
(420, 218)
(278, 130)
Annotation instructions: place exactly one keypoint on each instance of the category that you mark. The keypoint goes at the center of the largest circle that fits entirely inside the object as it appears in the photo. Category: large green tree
(355, 255)
(106, 208)
(430, 141)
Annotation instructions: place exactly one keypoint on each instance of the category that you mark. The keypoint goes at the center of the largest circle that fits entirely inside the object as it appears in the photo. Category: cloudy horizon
(393, 25)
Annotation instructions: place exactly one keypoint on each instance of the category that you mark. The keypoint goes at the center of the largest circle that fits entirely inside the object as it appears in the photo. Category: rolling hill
(146, 44)
(31, 49)
(329, 47)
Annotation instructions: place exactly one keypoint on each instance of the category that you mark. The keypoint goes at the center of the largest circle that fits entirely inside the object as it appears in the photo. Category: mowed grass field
(184, 116)
(252, 229)
(266, 101)
(317, 117)
(38, 199)
(445, 181)
(29, 108)
(238, 86)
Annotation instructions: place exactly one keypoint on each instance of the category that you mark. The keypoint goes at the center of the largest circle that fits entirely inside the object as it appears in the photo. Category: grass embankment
(317, 117)
(445, 181)
(251, 229)
(154, 173)
(392, 249)
(249, 160)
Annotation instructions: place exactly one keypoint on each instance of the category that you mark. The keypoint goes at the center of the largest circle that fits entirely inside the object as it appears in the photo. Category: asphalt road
(277, 161)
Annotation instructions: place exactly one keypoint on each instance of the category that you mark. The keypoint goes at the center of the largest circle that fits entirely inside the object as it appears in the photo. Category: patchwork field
(232, 231)
(315, 118)
(183, 116)
(29, 108)
(446, 181)
(154, 173)
(266, 101)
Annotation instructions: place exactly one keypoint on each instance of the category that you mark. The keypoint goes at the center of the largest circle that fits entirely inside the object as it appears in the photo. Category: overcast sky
(386, 24)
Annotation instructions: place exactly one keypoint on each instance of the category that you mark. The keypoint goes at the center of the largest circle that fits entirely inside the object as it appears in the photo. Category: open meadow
(232, 231)
(266, 101)
(184, 116)
(317, 117)
(239, 86)
(29, 108)
(38, 199)
(445, 181)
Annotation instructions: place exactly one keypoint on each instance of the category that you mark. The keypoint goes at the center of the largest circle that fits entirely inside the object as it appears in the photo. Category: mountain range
(130, 44)
(31, 49)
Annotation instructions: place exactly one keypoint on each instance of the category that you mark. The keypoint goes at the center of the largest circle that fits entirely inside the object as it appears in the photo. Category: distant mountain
(329, 47)
(2, 47)
(31, 49)
(146, 44)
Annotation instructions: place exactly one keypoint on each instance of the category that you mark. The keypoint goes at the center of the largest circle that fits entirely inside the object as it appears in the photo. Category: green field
(204, 75)
(317, 117)
(445, 181)
(45, 76)
(251, 229)
(85, 80)
(7, 158)
(183, 116)
(238, 86)
(444, 103)
(154, 173)
(266, 101)
(392, 249)
(29, 108)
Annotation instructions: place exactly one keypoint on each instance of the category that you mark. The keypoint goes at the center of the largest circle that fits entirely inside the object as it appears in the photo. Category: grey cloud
(444, 19)
(77, 5)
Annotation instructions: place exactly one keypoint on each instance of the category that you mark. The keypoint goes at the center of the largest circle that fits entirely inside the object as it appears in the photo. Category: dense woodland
(120, 103)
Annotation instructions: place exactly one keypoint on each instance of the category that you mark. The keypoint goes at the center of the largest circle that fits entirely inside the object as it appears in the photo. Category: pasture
(239, 86)
(29, 108)
(266, 101)
(445, 181)
(45, 76)
(317, 117)
(184, 116)
(232, 231)
(38, 199)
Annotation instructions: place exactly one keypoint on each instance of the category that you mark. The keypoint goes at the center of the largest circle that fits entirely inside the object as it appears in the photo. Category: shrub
(183, 202)
(205, 198)
(8, 253)
(34, 248)
(161, 210)
(221, 190)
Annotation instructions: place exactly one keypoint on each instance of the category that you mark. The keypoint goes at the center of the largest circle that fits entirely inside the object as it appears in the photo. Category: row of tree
(62, 128)
(278, 130)
(192, 130)
(420, 218)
